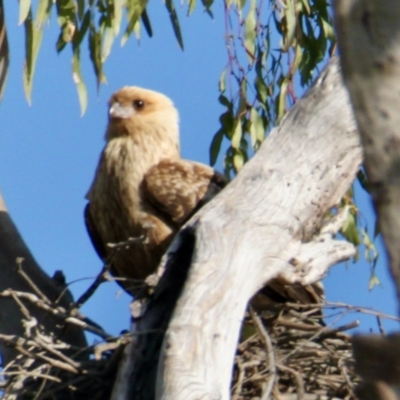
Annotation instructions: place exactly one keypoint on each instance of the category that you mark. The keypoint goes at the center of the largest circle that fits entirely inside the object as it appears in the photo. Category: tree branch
(12, 250)
(249, 234)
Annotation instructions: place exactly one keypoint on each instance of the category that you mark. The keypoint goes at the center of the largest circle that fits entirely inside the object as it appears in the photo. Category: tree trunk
(368, 34)
(268, 223)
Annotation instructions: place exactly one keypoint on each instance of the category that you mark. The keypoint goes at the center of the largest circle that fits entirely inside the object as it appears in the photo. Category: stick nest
(285, 353)
(288, 353)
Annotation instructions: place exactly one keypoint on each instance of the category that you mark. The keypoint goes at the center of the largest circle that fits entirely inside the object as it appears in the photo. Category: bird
(143, 191)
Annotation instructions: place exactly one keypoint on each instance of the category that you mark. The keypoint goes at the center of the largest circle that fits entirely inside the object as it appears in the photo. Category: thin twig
(380, 326)
(298, 379)
(239, 383)
(343, 370)
(57, 311)
(40, 389)
(54, 363)
(271, 356)
(100, 278)
(29, 281)
(103, 275)
(363, 310)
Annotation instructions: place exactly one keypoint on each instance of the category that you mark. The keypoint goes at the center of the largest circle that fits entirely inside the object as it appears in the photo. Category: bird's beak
(118, 111)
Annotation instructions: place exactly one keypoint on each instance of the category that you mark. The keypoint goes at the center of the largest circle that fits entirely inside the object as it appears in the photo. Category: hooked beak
(118, 111)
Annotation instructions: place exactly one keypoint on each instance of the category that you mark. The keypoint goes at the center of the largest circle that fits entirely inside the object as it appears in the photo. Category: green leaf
(350, 231)
(225, 101)
(306, 6)
(238, 161)
(65, 11)
(215, 146)
(226, 120)
(43, 12)
(237, 135)
(250, 33)
(33, 40)
(135, 9)
(81, 32)
(95, 53)
(24, 7)
(116, 20)
(373, 281)
(108, 40)
(298, 57)
(222, 82)
(81, 9)
(146, 23)
(327, 29)
(363, 181)
(261, 89)
(371, 253)
(290, 14)
(78, 79)
(192, 6)
(207, 5)
(281, 103)
(4, 52)
(136, 29)
(257, 130)
(174, 21)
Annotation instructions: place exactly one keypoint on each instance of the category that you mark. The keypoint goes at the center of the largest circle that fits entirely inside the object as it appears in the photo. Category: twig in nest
(239, 383)
(318, 334)
(297, 325)
(99, 349)
(40, 389)
(343, 370)
(88, 327)
(32, 374)
(333, 332)
(100, 278)
(29, 281)
(39, 340)
(57, 311)
(298, 379)
(271, 356)
(363, 310)
(51, 361)
(103, 275)
(15, 296)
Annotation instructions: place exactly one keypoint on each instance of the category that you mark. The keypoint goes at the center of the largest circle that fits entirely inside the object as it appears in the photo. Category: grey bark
(369, 41)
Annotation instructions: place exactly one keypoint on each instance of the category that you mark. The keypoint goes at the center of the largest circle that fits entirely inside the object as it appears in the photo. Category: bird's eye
(138, 104)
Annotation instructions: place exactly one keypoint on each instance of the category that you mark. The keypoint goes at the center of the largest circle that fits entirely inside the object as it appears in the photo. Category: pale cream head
(134, 112)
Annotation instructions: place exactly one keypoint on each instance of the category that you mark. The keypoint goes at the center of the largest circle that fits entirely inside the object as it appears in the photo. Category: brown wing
(94, 234)
(178, 188)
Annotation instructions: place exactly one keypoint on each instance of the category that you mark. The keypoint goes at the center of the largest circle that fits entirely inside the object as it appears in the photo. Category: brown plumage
(142, 187)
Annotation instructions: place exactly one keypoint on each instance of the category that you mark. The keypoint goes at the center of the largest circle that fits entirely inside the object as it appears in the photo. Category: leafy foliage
(262, 80)
(98, 21)
(4, 52)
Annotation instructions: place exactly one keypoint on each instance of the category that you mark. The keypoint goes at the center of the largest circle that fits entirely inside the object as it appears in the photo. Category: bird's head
(142, 114)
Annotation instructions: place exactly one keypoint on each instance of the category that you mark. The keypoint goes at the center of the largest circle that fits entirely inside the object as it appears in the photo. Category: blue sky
(49, 153)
